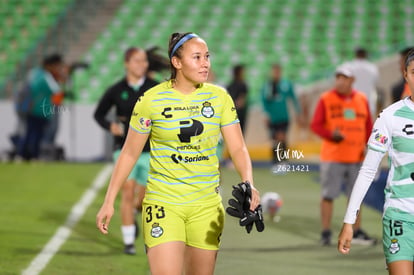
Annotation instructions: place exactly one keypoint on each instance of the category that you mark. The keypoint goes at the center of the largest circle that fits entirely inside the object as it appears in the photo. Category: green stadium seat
(307, 37)
(22, 23)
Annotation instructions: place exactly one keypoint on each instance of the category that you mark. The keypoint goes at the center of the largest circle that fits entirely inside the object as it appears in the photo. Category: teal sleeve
(295, 100)
(265, 102)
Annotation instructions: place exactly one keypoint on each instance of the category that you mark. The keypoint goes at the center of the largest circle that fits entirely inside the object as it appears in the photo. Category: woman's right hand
(116, 129)
(104, 217)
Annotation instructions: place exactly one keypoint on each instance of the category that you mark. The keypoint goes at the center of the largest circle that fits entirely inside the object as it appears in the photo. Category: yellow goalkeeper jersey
(184, 132)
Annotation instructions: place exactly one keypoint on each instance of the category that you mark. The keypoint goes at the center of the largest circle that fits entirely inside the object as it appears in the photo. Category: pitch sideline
(64, 231)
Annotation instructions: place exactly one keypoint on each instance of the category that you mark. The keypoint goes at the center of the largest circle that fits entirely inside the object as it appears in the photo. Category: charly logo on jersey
(156, 230)
(188, 159)
(394, 246)
(166, 113)
(408, 129)
(207, 110)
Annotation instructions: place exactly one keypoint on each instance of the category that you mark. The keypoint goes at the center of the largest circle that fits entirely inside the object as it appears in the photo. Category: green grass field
(37, 198)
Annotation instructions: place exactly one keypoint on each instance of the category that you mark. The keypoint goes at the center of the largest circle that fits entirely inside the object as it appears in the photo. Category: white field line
(64, 231)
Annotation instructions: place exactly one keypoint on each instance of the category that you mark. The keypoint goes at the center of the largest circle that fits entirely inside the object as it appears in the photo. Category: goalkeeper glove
(242, 194)
(251, 217)
(240, 208)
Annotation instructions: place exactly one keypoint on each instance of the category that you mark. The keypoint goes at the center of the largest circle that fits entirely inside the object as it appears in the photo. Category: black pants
(30, 146)
(242, 115)
(278, 145)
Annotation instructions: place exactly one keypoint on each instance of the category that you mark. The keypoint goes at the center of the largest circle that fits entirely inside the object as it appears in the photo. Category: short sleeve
(141, 115)
(229, 114)
(380, 136)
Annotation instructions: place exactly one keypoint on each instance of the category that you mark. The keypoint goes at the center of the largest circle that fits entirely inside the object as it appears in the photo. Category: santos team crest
(207, 110)
(394, 246)
(156, 230)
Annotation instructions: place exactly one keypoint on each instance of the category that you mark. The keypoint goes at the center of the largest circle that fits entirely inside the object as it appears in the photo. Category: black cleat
(130, 249)
(361, 237)
(326, 237)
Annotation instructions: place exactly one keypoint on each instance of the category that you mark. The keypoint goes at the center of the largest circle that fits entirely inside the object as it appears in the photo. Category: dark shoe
(130, 249)
(326, 237)
(360, 237)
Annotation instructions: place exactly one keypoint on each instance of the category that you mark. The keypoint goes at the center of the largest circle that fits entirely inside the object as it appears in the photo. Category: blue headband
(181, 42)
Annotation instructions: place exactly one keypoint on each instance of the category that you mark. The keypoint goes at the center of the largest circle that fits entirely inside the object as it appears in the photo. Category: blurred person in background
(23, 103)
(366, 78)
(393, 134)
(123, 95)
(238, 90)
(49, 148)
(41, 95)
(343, 120)
(276, 93)
(400, 89)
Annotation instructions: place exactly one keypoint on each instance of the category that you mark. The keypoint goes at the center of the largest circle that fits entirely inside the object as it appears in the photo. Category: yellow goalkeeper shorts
(197, 226)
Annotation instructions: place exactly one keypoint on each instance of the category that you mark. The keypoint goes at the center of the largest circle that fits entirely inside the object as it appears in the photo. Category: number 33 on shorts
(153, 213)
(154, 210)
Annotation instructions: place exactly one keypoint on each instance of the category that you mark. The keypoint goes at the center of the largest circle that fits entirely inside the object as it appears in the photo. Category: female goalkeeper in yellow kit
(183, 215)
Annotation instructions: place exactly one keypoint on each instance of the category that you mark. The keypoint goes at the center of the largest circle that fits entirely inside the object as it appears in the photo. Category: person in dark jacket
(123, 95)
(238, 90)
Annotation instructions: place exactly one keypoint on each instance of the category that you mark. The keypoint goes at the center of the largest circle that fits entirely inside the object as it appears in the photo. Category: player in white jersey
(393, 132)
